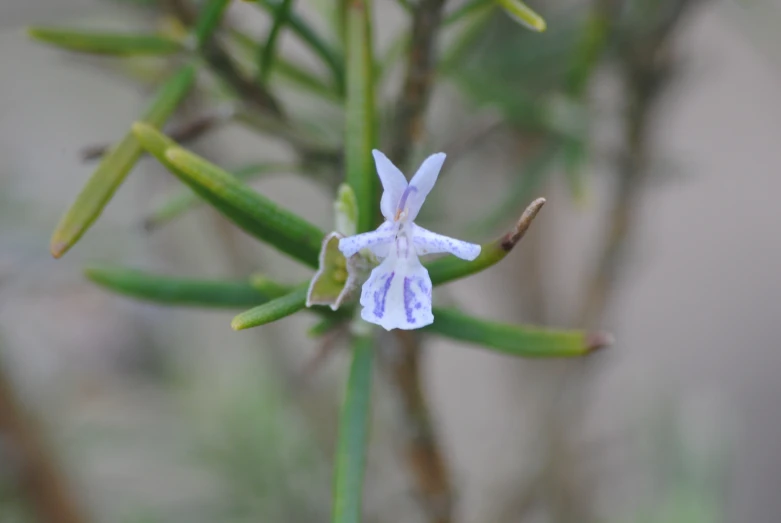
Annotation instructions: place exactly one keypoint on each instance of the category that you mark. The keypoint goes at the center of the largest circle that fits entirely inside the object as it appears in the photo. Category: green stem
(320, 47)
(360, 118)
(353, 435)
(267, 52)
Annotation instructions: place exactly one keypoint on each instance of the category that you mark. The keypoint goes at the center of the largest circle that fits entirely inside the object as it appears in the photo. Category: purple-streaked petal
(397, 295)
(422, 183)
(427, 242)
(393, 184)
(376, 241)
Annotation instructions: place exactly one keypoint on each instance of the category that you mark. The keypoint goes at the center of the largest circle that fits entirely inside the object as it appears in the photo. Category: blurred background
(659, 159)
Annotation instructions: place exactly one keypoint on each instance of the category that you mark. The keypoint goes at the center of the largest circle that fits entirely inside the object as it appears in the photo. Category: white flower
(397, 294)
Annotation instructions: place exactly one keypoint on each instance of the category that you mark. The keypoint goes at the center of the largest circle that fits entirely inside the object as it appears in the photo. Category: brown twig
(646, 66)
(645, 62)
(42, 481)
(424, 459)
(182, 133)
(512, 237)
(411, 108)
(222, 64)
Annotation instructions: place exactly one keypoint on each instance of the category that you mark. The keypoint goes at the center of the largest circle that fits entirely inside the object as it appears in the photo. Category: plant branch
(423, 456)
(220, 61)
(409, 126)
(43, 483)
(183, 133)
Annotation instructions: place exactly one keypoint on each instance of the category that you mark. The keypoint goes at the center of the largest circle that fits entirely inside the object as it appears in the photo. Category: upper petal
(397, 295)
(427, 242)
(423, 182)
(376, 241)
(393, 184)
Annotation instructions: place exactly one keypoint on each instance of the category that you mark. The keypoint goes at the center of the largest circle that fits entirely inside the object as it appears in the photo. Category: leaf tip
(237, 324)
(514, 236)
(598, 340)
(58, 247)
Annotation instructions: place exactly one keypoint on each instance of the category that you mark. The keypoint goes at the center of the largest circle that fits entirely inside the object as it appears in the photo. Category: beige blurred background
(694, 314)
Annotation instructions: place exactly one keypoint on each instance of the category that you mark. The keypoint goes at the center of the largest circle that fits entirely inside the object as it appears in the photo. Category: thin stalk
(267, 52)
(352, 445)
(425, 459)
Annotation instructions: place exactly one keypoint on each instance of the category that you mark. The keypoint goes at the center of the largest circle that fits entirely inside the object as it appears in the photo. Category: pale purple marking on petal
(409, 295)
(381, 295)
(404, 197)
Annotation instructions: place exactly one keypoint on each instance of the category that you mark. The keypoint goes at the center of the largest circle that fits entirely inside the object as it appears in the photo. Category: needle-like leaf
(267, 52)
(169, 290)
(522, 14)
(187, 200)
(516, 340)
(208, 20)
(115, 44)
(254, 213)
(272, 311)
(115, 166)
(309, 36)
(451, 268)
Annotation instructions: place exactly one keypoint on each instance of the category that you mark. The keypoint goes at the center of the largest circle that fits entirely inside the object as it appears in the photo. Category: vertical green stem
(353, 435)
(360, 124)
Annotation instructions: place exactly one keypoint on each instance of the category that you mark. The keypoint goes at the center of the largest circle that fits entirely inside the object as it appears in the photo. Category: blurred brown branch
(424, 458)
(183, 133)
(422, 450)
(409, 124)
(42, 481)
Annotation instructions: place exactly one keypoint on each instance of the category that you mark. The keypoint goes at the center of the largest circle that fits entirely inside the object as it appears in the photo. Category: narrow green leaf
(187, 200)
(522, 14)
(516, 340)
(360, 119)
(266, 57)
(284, 69)
(352, 445)
(208, 20)
(332, 59)
(272, 311)
(268, 286)
(254, 213)
(115, 166)
(451, 268)
(116, 44)
(465, 10)
(170, 290)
